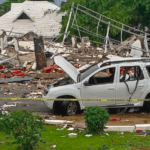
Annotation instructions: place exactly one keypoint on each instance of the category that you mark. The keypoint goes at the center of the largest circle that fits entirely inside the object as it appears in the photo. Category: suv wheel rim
(72, 108)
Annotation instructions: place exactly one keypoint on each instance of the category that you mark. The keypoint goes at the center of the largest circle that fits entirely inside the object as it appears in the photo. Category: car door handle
(111, 88)
(141, 85)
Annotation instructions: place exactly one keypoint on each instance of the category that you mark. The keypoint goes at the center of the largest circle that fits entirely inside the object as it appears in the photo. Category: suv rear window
(131, 73)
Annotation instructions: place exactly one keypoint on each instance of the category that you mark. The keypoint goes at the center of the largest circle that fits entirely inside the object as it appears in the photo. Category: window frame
(147, 70)
(100, 71)
(130, 67)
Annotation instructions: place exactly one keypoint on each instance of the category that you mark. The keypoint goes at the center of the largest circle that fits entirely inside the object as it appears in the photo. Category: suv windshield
(88, 72)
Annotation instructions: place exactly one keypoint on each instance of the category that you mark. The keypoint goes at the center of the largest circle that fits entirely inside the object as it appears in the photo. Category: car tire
(69, 108)
(146, 106)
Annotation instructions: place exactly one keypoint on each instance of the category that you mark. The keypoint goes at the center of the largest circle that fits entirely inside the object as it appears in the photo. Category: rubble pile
(22, 74)
(27, 37)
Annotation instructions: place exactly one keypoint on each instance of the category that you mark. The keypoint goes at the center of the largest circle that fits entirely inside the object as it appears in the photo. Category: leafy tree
(133, 13)
(25, 127)
(6, 6)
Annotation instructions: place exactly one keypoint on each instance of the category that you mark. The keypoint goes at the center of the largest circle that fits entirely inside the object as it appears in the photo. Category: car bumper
(49, 104)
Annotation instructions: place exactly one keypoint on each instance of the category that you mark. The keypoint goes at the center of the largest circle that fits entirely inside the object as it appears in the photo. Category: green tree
(129, 12)
(25, 127)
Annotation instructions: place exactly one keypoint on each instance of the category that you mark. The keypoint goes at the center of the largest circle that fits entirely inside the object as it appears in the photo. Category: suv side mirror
(86, 83)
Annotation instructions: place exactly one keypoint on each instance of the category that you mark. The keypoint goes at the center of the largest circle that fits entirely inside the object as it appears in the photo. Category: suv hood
(67, 67)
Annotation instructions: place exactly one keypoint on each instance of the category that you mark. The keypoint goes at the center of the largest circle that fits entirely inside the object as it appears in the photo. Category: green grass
(114, 141)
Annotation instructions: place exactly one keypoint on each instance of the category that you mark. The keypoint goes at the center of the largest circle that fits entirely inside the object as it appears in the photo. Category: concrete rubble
(24, 65)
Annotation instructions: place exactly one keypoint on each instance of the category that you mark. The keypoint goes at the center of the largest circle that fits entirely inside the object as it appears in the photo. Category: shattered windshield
(88, 72)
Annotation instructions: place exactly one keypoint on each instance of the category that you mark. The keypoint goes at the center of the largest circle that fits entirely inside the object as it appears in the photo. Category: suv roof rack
(133, 59)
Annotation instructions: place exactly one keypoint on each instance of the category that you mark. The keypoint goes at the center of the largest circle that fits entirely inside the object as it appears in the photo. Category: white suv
(112, 79)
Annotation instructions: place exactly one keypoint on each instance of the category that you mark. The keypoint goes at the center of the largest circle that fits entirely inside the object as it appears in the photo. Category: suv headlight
(46, 89)
(45, 92)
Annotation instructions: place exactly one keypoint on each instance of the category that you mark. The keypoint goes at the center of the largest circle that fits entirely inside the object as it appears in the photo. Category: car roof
(125, 60)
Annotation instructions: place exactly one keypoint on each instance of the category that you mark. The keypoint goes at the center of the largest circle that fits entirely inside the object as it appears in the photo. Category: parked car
(112, 79)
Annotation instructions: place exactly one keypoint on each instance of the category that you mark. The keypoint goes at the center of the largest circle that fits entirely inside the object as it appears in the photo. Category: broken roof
(39, 16)
(27, 16)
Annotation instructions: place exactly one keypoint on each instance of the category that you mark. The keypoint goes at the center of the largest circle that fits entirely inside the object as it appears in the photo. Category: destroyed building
(37, 16)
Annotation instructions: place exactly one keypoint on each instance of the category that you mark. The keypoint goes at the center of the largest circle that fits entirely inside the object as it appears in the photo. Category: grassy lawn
(63, 142)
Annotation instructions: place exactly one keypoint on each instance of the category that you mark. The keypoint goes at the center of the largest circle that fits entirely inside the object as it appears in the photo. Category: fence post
(107, 36)
(121, 33)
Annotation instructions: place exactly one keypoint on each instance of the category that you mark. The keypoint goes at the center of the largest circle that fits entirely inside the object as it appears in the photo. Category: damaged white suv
(112, 79)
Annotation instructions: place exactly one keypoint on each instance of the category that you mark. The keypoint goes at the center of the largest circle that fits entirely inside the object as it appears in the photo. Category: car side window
(103, 77)
(131, 73)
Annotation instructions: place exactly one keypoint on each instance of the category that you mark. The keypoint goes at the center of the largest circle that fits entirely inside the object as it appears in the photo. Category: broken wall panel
(39, 53)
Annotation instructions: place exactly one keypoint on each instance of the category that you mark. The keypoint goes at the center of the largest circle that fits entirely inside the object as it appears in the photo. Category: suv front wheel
(69, 108)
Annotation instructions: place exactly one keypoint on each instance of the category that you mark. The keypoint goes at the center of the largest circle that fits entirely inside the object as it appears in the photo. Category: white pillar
(68, 24)
(146, 45)
(5, 41)
(107, 36)
(16, 45)
(2, 43)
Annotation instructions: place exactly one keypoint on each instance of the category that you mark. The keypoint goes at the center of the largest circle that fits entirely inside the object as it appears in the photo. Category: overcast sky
(1, 1)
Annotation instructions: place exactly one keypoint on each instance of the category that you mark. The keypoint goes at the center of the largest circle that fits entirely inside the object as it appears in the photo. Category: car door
(134, 80)
(103, 88)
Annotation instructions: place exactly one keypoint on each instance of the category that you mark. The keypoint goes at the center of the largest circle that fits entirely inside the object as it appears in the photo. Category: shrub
(95, 118)
(24, 126)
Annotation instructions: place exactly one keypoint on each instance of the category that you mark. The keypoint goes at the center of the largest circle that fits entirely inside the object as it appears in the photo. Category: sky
(2, 1)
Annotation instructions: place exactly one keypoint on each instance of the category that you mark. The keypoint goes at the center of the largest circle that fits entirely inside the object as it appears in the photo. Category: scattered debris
(72, 134)
(43, 141)
(103, 147)
(58, 122)
(63, 127)
(115, 119)
(135, 52)
(88, 135)
(133, 110)
(54, 146)
(70, 129)
(143, 133)
(4, 81)
(138, 131)
(107, 134)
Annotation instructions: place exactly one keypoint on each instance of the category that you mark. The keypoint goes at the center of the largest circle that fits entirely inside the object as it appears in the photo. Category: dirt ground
(126, 119)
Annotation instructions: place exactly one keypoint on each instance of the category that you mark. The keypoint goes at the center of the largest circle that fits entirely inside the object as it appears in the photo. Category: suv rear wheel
(70, 108)
(146, 105)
